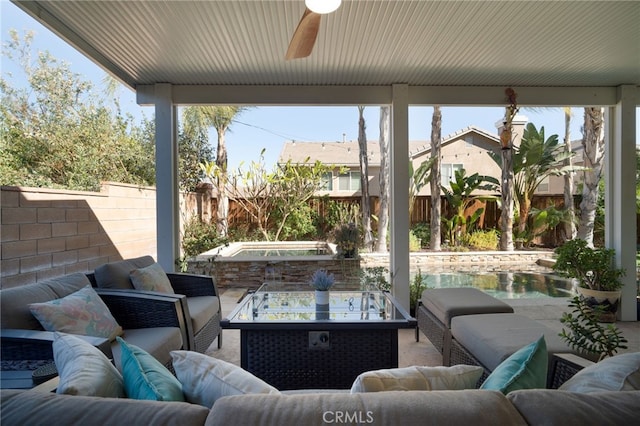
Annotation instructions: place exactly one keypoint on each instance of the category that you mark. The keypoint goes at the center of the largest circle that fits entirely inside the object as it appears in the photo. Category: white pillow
(151, 278)
(618, 373)
(204, 379)
(418, 378)
(84, 370)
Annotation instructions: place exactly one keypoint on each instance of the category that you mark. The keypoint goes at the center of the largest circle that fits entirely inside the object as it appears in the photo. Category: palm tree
(418, 178)
(383, 213)
(593, 144)
(364, 180)
(436, 210)
(506, 181)
(220, 118)
(570, 224)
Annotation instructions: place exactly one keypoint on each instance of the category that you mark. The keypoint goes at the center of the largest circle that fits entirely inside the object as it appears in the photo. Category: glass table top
(276, 304)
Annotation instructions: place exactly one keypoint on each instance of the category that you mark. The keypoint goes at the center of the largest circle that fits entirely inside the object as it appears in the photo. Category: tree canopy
(57, 132)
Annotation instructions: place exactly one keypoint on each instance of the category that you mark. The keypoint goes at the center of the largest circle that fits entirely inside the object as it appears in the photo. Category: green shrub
(483, 239)
(422, 231)
(416, 287)
(414, 242)
(375, 276)
(199, 237)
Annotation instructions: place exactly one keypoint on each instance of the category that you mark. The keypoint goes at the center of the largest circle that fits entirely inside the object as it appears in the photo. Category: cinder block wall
(47, 233)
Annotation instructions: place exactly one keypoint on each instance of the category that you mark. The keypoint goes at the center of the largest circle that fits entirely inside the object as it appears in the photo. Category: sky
(270, 127)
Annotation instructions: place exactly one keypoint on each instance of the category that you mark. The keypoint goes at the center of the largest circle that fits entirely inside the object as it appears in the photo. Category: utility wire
(282, 135)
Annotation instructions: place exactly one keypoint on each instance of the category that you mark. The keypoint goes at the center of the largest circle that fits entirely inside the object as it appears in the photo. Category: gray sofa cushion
(202, 309)
(116, 274)
(492, 338)
(465, 407)
(446, 303)
(14, 302)
(553, 407)
(44, 408)
(157, 341)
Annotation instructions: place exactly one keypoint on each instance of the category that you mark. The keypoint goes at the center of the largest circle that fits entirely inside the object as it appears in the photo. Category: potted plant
(587, 335)
(322, 281)
(597, 277)
(347, 237)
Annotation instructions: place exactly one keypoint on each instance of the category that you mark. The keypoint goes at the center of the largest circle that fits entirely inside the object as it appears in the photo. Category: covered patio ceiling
(396, 52)
(363, 43)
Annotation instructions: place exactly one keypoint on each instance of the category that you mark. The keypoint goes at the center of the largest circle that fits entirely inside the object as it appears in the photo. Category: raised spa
(250, 264)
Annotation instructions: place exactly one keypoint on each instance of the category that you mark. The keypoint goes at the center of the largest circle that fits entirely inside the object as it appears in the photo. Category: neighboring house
(467, 148)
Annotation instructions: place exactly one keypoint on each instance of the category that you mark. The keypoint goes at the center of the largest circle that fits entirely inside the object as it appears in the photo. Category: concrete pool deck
(545, 310)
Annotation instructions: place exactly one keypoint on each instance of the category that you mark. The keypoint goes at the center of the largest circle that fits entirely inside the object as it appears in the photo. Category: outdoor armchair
(200, 302)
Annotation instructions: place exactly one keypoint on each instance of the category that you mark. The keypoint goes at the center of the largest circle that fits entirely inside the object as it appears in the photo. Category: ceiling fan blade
(305, 36)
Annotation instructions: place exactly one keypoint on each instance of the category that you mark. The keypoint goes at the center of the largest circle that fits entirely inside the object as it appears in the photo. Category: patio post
(167, 195)
(399, 214)
(620, 181)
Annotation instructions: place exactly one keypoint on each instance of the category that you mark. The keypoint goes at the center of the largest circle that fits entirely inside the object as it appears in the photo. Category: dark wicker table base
(284, 359)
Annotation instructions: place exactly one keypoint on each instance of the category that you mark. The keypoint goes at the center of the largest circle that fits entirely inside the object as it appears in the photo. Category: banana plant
(460, 196)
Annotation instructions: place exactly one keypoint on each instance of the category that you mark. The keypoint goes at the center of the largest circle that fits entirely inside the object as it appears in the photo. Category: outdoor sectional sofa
(473, 407)
(154, 322)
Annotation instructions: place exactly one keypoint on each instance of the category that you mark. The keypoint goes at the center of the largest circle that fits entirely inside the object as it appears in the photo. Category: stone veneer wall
(469, 261)
(229, 272)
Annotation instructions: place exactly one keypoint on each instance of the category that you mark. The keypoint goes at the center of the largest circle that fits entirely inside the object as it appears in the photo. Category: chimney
(518, 124)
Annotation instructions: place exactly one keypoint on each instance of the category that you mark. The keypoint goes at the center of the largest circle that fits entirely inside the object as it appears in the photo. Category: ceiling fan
(305, 35)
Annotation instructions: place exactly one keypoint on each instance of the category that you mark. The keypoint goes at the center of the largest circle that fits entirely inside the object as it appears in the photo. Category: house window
(327, 181)
(447, 172)
(544, 185)
(469, 140)
(349, 181)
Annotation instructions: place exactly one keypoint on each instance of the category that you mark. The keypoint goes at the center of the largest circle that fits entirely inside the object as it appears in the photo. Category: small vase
(322, 297)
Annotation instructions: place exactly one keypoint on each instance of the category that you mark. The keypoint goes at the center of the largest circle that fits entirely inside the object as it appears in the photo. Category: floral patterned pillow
(82, 312)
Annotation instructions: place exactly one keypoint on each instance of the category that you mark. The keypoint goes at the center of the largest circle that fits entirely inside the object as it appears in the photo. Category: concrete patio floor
(410, 352)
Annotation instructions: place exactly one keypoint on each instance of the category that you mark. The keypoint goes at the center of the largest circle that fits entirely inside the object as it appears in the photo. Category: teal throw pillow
(525, 369)
(145, 377)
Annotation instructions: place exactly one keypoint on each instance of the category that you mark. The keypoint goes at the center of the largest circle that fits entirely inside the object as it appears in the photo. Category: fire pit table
(292, 343)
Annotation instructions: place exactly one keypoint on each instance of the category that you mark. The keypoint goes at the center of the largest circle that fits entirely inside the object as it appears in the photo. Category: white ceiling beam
(380, 95)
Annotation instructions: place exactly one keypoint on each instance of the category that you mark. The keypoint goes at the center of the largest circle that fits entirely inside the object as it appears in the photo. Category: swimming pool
(505, 285)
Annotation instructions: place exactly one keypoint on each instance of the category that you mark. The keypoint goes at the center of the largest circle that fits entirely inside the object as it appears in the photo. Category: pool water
(505, 285)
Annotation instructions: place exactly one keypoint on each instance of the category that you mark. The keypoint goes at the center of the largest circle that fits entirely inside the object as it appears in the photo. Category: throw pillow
(525, 369)
(81, 312)
(145, 377)
(205, 379)
(151, 278)
(116, 274)
(618, 373)
(84, 370)
(418, 378)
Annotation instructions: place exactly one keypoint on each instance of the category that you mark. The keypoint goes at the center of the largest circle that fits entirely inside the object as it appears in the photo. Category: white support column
(167, 195)
(620, 225)
(399, 172)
